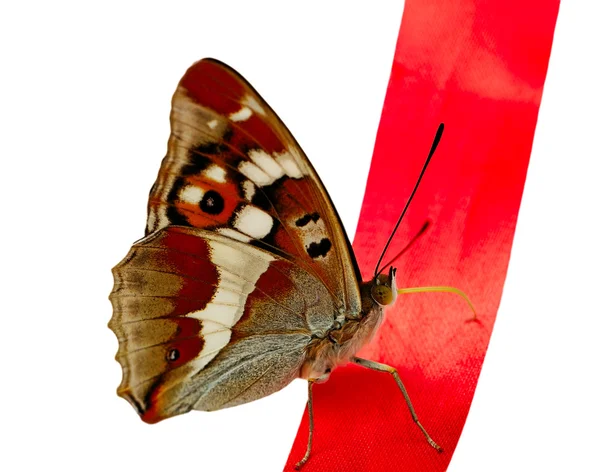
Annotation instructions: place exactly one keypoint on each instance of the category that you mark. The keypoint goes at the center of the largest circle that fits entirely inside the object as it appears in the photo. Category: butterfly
(246, 279)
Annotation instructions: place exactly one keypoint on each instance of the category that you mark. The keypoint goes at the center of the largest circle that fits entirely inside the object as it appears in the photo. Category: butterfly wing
(233, 167)
(245, 258)
(206, 322)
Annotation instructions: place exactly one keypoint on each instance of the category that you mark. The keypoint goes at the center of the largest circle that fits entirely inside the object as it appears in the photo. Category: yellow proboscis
(455, 290)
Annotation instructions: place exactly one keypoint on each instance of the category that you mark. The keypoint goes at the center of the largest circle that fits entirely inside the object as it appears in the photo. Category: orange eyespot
(382, 294)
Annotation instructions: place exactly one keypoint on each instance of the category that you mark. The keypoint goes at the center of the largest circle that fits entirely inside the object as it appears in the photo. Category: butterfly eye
(382, 294)
(173, 355)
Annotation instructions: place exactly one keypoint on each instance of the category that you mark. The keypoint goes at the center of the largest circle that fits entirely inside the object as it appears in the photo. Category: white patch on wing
(163, 219)
(288, 163)
(231, 281)
(233, 234)
(227, 315)
(241, 115)
(225, 296)
(249, 189)
(151, 220)
(253, 104)
(238, 273)
(216, 173)
(253, 221)
(216, 337)
(191, 194)
(266, 163)
(238, 268)
(241, 267)
(212, 124)
(255, 174)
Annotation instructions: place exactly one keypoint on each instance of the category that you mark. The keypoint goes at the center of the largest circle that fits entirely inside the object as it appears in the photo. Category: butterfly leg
(310, 419)
(390, 370)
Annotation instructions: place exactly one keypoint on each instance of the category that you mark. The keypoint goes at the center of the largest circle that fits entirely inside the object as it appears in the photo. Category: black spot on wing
(265, 196)
(303, 221)
(260, 200)
(176, 218)
(200, 156)
(300, 222)
(198, 162)
(173, 355)
(212, 203)
(319, 249)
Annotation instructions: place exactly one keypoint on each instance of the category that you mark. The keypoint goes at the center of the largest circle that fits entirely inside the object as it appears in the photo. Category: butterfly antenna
(421, 232)
(436, 141)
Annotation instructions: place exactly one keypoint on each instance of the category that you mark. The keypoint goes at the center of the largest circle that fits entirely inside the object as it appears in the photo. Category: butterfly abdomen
(340, 343)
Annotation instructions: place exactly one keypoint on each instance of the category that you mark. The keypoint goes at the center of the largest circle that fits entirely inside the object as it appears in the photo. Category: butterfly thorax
(348, 334)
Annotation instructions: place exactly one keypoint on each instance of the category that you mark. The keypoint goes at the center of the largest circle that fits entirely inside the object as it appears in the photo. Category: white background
(84, 102)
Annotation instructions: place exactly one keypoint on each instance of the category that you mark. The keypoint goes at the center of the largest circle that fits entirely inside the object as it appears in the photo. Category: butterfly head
(384, 290)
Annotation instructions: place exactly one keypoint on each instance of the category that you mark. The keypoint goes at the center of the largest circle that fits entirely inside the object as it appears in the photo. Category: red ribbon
(479, 67)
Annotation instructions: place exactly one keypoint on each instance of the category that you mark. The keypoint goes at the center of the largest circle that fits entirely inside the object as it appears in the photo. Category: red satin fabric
(479, 67)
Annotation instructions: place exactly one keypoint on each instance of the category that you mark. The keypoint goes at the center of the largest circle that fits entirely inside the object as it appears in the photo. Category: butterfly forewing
(234, 168)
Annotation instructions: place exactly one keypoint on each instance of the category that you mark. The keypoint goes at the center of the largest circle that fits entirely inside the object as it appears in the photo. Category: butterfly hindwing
(199, 317)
